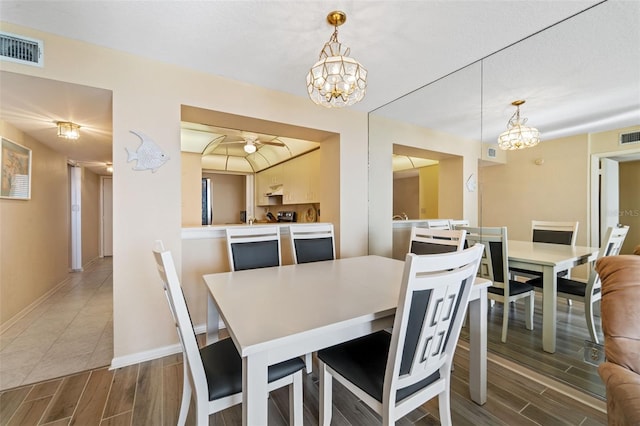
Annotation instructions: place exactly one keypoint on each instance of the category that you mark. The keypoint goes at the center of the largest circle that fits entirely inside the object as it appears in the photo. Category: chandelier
(68, 130)
(517, 135)
(336, 80)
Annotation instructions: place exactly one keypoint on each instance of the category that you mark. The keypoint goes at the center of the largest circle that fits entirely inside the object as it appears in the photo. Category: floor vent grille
(633, 137)
(21, 49)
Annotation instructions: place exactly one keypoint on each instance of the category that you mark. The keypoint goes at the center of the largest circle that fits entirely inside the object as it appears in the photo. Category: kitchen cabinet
(299, 177)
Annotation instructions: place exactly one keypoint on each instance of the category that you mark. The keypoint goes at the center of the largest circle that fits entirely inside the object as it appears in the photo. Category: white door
(106, 233)
(609, 195)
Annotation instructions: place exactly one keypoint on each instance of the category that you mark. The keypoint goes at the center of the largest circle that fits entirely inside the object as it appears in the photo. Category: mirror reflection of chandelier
(517, 135)
(336, 80)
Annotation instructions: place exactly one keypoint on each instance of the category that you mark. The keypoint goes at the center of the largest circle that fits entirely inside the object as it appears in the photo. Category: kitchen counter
(218, 231)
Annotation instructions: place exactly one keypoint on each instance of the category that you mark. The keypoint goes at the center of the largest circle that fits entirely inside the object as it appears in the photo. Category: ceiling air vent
(22, 50)
(633, 137)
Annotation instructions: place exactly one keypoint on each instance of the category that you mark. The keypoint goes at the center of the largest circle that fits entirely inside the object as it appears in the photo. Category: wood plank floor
(525, 346)
(149, 394)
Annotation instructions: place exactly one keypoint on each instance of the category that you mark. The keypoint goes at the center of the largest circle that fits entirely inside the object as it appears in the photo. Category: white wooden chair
(251, 247)
(437, 224)
(398, 372)
(495, 267)
(432, 241)
(589, 292)
(214, 373)
(312, 243)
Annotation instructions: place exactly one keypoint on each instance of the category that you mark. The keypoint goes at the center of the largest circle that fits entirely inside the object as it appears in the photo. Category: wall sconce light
(68, 130)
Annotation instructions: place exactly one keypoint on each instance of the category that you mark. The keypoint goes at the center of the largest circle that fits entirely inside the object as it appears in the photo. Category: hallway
(71, 331)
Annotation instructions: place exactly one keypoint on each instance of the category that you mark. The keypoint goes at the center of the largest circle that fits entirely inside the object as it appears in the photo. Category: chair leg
(591, 326)
(295, 400)
(505, 320)
(528, 311)
(444, 406)
(308, 363)
(186, 396)
(326, 381)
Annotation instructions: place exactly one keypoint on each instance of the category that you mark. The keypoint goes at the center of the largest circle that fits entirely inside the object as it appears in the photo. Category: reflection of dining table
(549, 259)
(274, 314)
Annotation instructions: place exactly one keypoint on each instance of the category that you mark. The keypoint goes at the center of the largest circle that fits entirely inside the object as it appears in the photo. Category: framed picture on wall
(15, 171)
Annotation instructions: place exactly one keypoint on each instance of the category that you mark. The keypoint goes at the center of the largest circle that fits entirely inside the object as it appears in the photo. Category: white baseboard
(144, 356)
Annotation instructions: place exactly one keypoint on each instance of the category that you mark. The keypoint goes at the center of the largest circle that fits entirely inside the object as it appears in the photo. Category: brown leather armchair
(620, 313)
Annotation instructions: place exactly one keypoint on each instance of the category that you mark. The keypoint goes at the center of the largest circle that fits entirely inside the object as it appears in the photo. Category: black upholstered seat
(413, 362)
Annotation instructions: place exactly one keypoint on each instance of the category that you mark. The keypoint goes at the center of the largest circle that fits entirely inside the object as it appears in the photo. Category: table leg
(213, 320)
(478, 348)
(255, 395)
(549, 299)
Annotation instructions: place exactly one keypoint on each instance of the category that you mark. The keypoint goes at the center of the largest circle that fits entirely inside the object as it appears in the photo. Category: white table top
(547, 254)
(303, 299)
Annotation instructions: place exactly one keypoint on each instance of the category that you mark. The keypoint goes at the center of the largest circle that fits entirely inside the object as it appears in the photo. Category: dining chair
(432, 241)
(437, 224)
(251, 247)
(494, 266)
(394, 373)
(589, 292)
(214, 372)
(312, 243)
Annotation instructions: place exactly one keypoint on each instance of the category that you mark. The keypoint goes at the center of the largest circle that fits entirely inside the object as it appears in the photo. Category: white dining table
(274, 314)
(549, 259)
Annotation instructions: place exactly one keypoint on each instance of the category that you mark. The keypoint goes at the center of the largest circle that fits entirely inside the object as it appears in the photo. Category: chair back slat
(494, 265)
(435, 241)
(253, 247)
(434, 296)
(312, 243)
(456, 223)
(438, 224)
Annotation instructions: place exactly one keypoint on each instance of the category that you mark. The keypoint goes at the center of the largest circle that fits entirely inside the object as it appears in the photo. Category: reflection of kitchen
(415, 188)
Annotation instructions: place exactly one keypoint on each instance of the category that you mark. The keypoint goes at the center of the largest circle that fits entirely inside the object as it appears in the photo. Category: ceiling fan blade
(274, 142)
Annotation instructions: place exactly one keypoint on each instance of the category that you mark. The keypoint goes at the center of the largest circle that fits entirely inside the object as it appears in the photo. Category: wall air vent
(22, 50)
(633, 137)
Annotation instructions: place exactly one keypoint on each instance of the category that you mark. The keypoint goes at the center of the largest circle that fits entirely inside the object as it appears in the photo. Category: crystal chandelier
(336, 80)
(517, 135)
(68, 130)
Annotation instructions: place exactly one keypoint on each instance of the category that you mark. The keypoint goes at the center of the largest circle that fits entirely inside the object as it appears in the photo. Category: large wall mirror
(581, 83)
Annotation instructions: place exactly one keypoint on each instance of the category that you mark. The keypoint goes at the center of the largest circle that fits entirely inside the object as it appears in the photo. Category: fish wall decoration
(148, 156)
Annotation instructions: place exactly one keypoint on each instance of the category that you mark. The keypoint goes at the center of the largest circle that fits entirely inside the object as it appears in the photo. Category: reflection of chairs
(589, 292)
(437, 224)
(495, 267)
(214, 372)
(396, 373)
(253, 247)
(312, 243)
(454, 224)
(433, 241)
(552, 233)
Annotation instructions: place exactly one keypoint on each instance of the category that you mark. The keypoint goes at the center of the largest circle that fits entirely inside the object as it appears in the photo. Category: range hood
(275, 191)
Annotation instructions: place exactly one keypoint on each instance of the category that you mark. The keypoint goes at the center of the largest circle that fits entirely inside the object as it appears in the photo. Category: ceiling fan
(251, 143)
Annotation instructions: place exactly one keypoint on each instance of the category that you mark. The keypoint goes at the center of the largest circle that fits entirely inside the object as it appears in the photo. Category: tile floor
(71, 331)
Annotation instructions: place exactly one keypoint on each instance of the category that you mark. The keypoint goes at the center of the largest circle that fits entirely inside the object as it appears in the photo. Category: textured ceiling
(581, 75)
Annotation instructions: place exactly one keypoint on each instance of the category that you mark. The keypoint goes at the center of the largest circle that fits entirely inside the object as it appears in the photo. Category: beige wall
(90, 216)
(406, 196)
(520, 191)
(429, 192)
(34, 234)
(630, 203)
(228, 197)
(191, 189)
(147, 96)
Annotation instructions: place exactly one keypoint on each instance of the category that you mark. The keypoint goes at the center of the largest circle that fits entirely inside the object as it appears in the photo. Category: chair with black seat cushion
(589, 292)
(214, 372)
(251, 247)
(312, 243)
(455, 223)
(433, 241)
(396, 373)
(495, 267)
